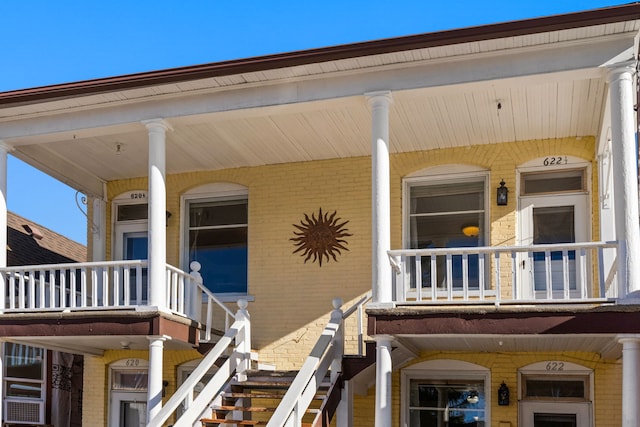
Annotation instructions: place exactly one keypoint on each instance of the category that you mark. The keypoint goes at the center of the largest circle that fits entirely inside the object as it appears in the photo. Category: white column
(154, 390)
(625, 178)
(344, 412)
(380, 196)
(383, 381)
(157, 212)
(4, 151)
(630, 381)
(98, 222)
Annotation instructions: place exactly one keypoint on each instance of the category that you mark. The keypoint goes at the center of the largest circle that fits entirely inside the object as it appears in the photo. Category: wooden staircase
(252, 402)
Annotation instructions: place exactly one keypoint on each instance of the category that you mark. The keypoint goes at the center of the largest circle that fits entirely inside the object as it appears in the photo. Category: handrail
(327, 353)
(568, 276)
(239, 361)
(359, 307)
(203, 296)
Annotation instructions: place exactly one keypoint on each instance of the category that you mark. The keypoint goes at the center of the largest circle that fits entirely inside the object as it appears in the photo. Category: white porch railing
(237, 342)
(108, 285)
(571, 272)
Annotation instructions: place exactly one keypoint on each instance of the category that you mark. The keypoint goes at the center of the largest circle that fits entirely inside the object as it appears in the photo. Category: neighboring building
(481, 182)
(40, 386)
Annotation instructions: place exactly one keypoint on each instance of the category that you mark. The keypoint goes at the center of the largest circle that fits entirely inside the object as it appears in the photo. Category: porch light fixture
(503, 395)
(471, 230)
(502, 194)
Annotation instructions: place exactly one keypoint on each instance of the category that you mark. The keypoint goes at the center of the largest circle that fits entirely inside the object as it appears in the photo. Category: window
(217, 239)
(24, 379)
(445, 393)
(446, 402)
(447, 214)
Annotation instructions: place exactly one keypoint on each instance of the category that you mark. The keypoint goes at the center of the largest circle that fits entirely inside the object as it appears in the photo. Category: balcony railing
(571, 272)
(109, 285)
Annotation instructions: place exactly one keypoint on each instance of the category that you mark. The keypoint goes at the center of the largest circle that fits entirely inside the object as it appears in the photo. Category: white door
(550, 414)
(549, 219)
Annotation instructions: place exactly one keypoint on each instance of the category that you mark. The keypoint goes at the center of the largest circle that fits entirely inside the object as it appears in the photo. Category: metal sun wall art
(320, 237)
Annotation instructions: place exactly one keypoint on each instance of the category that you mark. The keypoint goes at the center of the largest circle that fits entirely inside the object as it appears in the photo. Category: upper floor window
(216, 237)
(446, 213)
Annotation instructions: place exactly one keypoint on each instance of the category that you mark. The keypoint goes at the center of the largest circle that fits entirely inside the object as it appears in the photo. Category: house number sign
(138, 195)
(555, 161)
(555, 366)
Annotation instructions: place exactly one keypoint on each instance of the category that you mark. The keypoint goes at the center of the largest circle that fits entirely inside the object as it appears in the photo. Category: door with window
(557, 399)
(128, 385)
(553, 210)
(131, 243)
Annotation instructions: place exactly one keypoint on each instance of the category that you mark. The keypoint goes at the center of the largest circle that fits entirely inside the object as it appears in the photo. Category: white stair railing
(327, 353)
(238, 338)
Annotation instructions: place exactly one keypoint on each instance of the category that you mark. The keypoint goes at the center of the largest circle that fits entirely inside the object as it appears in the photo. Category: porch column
(380, 196)
(157, 212)
(99, 229)
(154, 390)
(630, 381)
(625, 176)
(383, 381)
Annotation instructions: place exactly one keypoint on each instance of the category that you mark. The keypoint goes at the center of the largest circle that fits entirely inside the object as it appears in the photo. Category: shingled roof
(29, 243)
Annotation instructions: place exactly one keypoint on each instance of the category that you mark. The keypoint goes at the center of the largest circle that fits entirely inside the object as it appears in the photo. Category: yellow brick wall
(504, 367)
(293, 298)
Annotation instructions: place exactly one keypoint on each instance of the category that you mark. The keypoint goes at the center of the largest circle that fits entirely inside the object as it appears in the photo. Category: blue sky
(47, 42)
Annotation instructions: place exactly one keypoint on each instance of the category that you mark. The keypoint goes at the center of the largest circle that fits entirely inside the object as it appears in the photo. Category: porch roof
(532, 79)
(510, 329)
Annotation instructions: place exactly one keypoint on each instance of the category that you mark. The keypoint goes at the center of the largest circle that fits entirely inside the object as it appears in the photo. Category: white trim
(551, 368)
(115, 396)
(119, 228)
(441, 369)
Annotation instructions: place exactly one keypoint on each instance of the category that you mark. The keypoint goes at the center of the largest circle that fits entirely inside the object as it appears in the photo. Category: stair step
(222, 421)
(263, 395)
(242, 408)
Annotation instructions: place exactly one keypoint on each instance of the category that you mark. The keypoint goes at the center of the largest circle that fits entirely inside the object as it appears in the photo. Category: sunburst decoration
(320, 237)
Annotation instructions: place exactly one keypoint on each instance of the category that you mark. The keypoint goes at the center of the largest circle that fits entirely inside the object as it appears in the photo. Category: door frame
(582, 410)
(581, 198)
(118, 396)
(120, 228)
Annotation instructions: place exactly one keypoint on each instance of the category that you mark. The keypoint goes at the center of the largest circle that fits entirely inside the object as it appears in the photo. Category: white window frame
(211, 192)
(443, 369)
(25, 400)
(448, 174)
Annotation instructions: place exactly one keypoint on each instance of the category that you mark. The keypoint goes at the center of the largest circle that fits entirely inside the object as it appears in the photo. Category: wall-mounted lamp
(503, 395)
(502, 194)
(168, 216)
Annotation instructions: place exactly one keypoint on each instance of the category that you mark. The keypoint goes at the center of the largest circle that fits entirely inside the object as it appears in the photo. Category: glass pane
(218, 213)
(555, 420)
(555, 388)
(133, 212)
(23, 361)
(133, 414)
(436, 403)
(455, 197)
(24, 389)
(129, 380)
(223, 256)
(554, 225)
(539, 183)
(136, 246)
